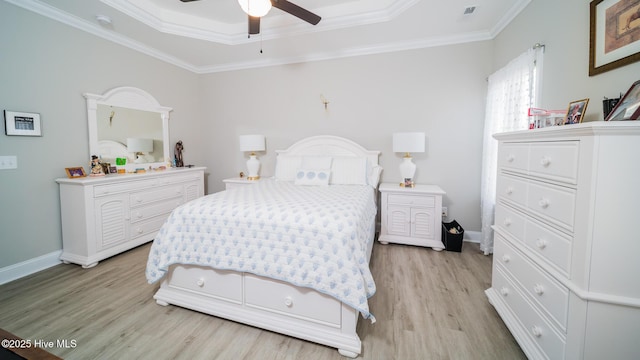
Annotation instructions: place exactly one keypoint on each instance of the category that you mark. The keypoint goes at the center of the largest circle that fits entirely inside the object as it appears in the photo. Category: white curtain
(511, 92)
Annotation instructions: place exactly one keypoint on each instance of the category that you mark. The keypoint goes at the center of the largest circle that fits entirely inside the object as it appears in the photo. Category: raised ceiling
(211, 35)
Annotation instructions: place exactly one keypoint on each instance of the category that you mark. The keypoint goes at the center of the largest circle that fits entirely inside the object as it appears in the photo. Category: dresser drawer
(514, 156)
(155, 209)
(127, 186)
(420, 200)
(548, 340)
(512, 189)
(149, 227)
(550, 244)
(551, 296)
(156, 194)
(220, 284)
(290, 300)
(555, 160)
(555, 203)
(511, 221)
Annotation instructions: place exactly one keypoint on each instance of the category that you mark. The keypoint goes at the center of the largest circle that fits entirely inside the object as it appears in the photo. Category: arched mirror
(128, 122)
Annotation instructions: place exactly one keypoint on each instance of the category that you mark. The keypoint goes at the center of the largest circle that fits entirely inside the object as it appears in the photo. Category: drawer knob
(545, 161)
(509, 190)
(541, 243)
(138, 199)
(511, 158)
(506, 258)
(538, 289)
(140, 231)
(504, 291)
(507, 222)
(288, 301)
(200, 282)
(138, 215)
(544, 203)
(536, 331)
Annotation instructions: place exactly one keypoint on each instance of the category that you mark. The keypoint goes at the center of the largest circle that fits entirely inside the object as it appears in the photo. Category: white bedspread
(310, 236)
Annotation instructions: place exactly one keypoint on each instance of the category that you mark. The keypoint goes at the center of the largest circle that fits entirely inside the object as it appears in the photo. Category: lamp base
(407, 170)
(253, 165)
(253, 177)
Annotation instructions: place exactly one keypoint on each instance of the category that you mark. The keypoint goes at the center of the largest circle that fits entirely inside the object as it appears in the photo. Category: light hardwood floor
(429, 305)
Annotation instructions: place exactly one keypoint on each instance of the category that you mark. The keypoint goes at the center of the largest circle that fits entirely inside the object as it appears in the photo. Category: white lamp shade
(255, 7)
(136, 145)
(252, 143)
(409, 142)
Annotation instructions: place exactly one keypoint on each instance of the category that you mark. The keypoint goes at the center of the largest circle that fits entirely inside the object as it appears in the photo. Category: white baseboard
(472, 236)
(28, 267)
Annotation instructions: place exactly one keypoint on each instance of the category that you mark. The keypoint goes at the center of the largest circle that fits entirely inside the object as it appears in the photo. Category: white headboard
(328, 145)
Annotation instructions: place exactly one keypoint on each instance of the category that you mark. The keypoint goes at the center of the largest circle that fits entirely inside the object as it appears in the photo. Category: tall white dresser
(104, 216)
(566, 263)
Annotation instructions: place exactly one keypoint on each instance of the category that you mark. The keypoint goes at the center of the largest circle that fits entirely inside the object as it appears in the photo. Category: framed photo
(576, 111)
(628, 108)
(614, 34)
(75, 172)
(113, 170)
(22, 123)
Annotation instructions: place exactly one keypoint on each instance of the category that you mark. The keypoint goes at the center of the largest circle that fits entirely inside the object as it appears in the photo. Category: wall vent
(469, 10)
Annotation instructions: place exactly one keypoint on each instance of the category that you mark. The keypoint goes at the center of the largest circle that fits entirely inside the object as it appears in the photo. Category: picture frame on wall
(75, 172)
(628, 108)
(575, 111)
(22, 123)
(613, 34)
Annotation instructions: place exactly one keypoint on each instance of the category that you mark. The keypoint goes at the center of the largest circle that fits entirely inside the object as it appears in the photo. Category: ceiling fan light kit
(257, 8)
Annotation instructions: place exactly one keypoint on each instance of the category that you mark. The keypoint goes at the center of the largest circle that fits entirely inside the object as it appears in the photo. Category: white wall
(440, 91)
(45, 68)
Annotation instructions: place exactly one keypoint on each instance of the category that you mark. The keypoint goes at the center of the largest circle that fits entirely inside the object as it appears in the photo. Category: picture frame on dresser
(75, 172)
(575, 111)
(628, 108)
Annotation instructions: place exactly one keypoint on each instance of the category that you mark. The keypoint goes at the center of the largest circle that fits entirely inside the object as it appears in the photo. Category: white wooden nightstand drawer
(555, 160)
(550, 295)
(406, 199)
(548, 340)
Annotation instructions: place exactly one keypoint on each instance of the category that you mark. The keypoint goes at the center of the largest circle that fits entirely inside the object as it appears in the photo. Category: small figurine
(96, 166)
(178, 154)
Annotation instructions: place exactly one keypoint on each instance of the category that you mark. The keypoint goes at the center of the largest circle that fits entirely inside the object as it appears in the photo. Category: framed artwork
(75, 172)
(628, 108)
(614, 34)
(576, 111)
(22, 123)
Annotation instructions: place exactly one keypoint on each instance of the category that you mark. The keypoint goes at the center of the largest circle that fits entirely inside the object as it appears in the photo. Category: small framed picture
(575, 112)
(628, 108)
(75, 172)
(113, 170)
(408, 182)
(22, 123)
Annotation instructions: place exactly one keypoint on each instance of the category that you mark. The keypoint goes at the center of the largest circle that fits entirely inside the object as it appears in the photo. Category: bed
(288, 254)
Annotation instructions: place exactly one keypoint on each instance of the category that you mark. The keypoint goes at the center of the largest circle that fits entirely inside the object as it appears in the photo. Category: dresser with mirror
(105, 215)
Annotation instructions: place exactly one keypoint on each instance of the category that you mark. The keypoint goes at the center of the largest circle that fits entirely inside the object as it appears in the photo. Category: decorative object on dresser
(243, 273)
(628, 108)
(75, 172)
(105, 216)
(140, 146)
(575, 111)
(252, 143)
(565, 263)
(411, 216)
(407, 143)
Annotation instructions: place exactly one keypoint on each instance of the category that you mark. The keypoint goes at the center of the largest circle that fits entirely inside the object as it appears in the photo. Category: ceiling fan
(255, 9)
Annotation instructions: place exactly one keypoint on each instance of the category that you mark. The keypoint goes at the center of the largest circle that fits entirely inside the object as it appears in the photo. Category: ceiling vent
(469, 10)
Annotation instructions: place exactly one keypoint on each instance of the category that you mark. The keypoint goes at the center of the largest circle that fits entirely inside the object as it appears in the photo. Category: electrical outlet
(445, 212)
(8, 162)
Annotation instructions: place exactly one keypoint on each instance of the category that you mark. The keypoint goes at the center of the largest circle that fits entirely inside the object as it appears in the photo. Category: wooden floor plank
(428, 305)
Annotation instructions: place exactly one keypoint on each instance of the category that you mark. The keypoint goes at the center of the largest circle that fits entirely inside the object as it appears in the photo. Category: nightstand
(237, 181)
(411, 216)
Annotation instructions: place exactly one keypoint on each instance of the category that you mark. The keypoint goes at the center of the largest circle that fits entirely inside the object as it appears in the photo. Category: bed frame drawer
(290, 300)
(220, 284)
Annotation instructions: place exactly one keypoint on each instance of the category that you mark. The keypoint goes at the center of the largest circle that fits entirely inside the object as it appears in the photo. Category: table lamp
(139, 146)
(407, 143)
(252, 143)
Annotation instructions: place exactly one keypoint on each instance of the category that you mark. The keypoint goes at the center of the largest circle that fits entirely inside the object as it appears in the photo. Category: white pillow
(312, 177)
(349, 171)
(316, 162)
(286, 167)
(373, 178)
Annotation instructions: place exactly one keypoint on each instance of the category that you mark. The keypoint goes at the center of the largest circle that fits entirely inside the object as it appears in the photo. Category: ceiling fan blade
(188, 0)
(297, 11)
(254, 25)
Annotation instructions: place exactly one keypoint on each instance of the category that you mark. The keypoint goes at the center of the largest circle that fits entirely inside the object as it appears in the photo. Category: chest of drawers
(565, 250)
(104, 216)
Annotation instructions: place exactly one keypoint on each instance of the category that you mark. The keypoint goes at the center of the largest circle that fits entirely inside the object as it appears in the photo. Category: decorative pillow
(286, 167)
(373, 178)
(316, 162)
(312, 177)
(349, 171)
